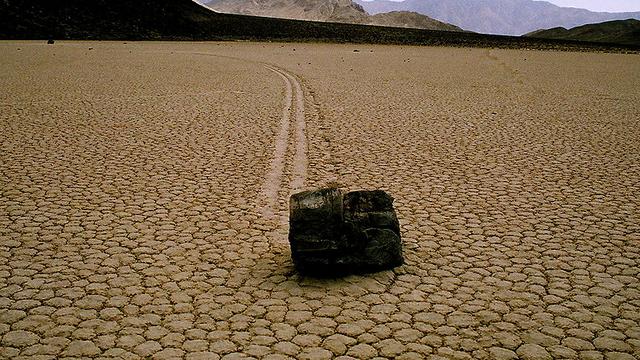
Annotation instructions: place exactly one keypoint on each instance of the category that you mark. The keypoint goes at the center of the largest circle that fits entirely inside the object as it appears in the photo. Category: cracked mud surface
(132, 197)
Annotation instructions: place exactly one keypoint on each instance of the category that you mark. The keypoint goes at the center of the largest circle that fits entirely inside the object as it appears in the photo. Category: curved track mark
(273, 179)
(300, 139)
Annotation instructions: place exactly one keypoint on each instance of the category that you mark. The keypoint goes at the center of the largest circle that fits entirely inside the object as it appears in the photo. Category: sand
(144, 191)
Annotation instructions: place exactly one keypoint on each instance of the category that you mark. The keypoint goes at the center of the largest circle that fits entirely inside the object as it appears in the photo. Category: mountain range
(614, 32)
(186, 20)
(507, 17)
(341, 11)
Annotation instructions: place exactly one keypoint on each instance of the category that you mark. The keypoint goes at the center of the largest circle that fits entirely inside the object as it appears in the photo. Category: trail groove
(274, 179)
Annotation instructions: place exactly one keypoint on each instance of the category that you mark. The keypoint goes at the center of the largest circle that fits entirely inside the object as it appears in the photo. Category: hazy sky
(601, 5)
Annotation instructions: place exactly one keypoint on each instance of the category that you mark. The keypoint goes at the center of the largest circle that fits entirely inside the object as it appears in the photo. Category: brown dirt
(132, 181)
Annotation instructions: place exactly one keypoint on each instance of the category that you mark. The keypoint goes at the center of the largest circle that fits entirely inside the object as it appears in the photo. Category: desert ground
(144, 200)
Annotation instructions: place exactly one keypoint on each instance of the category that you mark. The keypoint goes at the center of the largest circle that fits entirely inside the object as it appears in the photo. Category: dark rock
(371, 229)
(51, 41)
(331, 234)
(315, 227)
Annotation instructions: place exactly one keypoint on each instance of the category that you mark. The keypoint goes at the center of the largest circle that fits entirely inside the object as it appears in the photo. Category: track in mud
(293, 107)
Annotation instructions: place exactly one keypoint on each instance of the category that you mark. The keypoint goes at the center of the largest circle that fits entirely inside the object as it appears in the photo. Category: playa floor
(144, 200)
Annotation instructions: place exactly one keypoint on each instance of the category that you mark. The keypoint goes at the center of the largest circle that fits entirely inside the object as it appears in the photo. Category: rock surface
(315, 228)
(342, 11)
(333, 234)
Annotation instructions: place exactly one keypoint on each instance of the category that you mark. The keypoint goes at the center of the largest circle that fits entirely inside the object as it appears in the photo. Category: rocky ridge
(625, 32)
(343, 11)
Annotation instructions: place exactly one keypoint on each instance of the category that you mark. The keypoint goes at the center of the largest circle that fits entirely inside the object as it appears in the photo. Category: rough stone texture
(82, 348)
(315, 228)
(502, 354)
(19, 338)
(371, 232)
(533, 352)
(335, 234)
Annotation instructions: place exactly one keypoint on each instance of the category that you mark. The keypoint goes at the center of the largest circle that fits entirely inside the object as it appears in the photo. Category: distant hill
(186, 20)
(103, 19)
(625, 32)
(319, 10)
(409, 19)
(344, 11)
(508, 17)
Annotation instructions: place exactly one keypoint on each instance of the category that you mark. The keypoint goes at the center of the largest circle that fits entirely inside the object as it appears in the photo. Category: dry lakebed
(144, 192)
